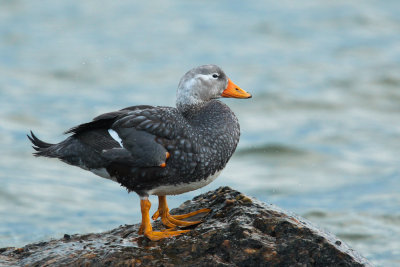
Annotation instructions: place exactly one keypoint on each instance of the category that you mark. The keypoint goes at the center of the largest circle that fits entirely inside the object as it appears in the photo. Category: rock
(239, 231)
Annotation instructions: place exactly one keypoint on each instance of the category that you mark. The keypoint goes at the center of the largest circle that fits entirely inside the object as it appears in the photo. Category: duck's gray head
(204, 83)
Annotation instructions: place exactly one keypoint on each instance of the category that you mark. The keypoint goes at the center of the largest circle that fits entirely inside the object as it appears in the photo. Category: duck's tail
(42, 148)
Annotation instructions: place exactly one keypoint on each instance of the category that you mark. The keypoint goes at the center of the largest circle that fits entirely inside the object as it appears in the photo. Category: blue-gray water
(320, 137)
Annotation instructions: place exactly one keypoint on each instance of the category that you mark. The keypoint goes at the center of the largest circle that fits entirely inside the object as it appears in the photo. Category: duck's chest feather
(200, 143)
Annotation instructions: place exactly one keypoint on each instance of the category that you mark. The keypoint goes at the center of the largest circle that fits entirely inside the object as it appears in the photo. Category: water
(320, 137)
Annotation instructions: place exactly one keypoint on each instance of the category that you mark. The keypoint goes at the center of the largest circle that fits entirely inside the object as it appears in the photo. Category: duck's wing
(93, 145)
(147, 133)
(104, 121)
(131, 137)
(162, 122)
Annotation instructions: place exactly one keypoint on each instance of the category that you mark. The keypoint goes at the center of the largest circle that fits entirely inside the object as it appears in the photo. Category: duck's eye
(215, 75)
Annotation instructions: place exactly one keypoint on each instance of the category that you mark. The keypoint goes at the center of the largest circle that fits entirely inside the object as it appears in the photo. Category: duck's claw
(155, 215)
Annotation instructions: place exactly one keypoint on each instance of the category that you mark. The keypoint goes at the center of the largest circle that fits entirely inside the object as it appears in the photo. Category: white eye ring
(215, 75)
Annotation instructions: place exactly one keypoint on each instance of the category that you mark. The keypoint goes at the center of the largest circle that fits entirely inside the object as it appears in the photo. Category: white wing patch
(115, 136)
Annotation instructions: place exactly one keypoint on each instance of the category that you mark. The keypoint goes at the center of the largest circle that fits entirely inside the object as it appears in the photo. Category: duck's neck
(187, 95)
(190, 107)
(211, 115)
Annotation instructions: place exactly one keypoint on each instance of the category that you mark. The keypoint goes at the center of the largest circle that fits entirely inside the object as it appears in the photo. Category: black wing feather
(37, 143)
(104, 121)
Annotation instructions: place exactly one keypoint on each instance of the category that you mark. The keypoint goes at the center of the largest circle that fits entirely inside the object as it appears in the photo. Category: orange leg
(146, 228)
(174, 220)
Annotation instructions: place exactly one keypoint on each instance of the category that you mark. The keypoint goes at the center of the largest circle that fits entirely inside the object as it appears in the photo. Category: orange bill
(232, 90)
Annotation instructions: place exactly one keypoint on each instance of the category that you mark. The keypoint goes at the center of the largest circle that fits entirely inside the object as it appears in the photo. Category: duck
(159, 150)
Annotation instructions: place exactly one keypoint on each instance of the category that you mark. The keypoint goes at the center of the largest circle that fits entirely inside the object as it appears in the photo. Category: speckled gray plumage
(200, 143)
(201, 135)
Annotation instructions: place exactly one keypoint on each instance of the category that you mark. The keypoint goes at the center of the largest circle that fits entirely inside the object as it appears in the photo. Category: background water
(320, 137)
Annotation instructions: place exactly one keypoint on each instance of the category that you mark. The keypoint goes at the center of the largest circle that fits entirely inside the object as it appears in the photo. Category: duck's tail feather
(42, 148)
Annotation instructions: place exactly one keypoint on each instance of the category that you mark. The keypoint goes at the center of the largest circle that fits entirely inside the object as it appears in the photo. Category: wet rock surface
(239, 231)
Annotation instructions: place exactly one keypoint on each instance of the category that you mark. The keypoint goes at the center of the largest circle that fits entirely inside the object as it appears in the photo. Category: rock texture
(239, 231)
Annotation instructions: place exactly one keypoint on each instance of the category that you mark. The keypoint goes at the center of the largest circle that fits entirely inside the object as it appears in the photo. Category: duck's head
(204, 83)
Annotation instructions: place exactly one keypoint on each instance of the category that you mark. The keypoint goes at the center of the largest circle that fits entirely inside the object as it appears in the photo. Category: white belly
(183, 187)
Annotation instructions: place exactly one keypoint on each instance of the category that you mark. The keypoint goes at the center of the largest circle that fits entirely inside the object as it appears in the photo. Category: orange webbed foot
(190, 214)
(174, 220)
(155, 235)
(147, 229)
